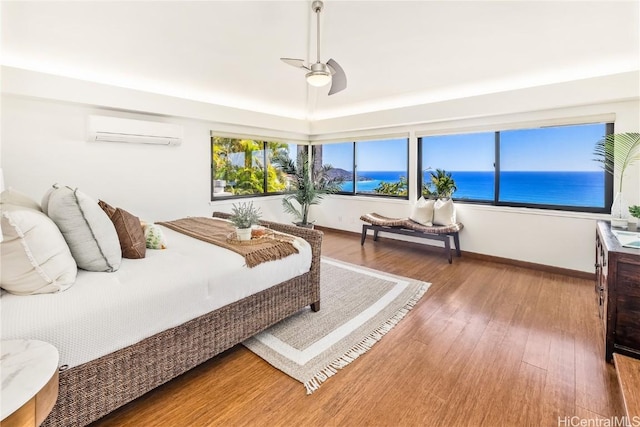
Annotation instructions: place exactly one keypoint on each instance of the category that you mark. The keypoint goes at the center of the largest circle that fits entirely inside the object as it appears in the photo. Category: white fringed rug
(358, 306)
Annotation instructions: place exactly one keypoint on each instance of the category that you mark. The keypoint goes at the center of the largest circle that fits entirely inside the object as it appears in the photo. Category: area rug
(358, 307)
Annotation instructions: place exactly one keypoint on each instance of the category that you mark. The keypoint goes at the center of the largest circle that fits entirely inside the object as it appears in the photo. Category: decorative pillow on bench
(444, 212)
(422, 212)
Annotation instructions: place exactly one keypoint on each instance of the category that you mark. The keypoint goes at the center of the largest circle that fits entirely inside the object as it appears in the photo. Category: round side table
(29, 371)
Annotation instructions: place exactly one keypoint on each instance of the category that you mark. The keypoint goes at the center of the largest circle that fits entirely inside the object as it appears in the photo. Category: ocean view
(556, 188)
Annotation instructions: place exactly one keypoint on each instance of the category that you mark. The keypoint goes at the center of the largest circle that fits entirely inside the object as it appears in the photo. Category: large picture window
(470, 158)
(549, 167)
(242, 167)
(374, 167)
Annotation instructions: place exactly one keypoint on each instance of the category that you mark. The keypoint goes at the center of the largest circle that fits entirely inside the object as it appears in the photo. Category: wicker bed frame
(92, 390)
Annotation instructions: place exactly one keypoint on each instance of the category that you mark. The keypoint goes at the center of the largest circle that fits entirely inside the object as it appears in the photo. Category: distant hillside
(346, 175)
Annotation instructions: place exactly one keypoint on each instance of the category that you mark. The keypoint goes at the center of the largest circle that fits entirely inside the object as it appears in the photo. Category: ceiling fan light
(318, 78)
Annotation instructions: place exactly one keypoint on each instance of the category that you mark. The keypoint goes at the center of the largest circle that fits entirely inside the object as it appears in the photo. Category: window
(469, 158)
(546, 168)
(376, 167)
(242, 167)
(340, 158)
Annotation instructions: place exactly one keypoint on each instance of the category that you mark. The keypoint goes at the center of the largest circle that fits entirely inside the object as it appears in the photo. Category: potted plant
(310, 185)
(243, 216)
(635, 211)
(442, 183)
(617, 152)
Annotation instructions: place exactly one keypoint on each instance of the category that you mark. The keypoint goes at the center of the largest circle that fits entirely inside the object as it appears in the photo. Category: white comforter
(104, 312)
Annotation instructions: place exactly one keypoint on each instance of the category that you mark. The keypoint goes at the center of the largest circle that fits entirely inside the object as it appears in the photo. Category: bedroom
(57, 70)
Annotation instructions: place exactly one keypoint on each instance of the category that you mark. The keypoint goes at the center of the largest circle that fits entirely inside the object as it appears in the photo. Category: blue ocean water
(369, 180)
(580, 189)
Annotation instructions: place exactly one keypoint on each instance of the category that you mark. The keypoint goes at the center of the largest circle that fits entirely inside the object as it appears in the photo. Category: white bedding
(104, 312)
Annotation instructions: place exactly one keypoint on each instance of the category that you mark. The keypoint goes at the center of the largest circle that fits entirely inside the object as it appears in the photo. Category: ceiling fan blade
(338, 78)
(298, 63)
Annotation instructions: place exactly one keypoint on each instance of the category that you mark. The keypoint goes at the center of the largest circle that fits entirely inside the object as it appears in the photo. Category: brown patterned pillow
(107, 208)
(130, 232)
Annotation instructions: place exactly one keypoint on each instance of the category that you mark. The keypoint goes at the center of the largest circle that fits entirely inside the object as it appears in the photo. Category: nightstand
(29, 370)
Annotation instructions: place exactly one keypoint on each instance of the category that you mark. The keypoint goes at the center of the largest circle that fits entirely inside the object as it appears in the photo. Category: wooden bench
(407, 227)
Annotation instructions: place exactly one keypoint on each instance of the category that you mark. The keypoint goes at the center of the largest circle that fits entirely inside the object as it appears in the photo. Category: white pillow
(35, 258)
(16, 198)
(444, 212)
(422, 212)
(90, 234)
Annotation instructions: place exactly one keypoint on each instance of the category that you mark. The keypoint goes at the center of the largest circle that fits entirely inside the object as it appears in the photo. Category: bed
(115, 363)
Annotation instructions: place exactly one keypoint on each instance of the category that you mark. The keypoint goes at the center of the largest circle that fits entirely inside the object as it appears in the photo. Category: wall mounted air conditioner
(115, 129)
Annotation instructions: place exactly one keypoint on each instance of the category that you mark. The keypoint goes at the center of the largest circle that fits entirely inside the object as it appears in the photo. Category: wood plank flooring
(488, 345)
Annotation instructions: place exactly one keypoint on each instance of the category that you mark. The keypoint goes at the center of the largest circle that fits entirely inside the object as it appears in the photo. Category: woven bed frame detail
(92, 390)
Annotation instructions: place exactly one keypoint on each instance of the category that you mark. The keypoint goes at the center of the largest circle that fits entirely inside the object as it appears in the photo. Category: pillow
(129, 229)
(16, 198)
(45, 199)
(35, 257)
(154, 236)
(444, 212)
(107, 208)
(89, 232)
(422, 212)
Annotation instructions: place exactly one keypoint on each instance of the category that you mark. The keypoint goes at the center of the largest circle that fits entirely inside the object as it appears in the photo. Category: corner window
(373, 168)
(549, 168)
(242, 167)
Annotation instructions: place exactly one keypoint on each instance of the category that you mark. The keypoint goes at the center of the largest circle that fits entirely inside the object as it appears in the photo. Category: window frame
(265, 178)
(608, 178)
(354, 172)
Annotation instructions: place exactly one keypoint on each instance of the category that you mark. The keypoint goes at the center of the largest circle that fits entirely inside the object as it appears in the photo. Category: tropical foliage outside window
(550, 167)
(243, 167)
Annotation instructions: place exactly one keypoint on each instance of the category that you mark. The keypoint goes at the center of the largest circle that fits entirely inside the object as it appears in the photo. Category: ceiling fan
(320, 74)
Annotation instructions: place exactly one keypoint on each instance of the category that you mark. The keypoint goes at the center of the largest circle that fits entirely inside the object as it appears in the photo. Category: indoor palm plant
(310, 185)
(617, 152)
(243, 216)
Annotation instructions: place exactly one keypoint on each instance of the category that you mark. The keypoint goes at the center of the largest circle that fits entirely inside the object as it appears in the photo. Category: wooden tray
(233, 238)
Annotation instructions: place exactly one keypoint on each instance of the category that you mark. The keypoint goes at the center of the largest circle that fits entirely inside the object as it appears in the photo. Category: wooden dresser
(618, 293)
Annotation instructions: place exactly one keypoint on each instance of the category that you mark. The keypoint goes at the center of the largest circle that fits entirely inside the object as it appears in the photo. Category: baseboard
(483, 257)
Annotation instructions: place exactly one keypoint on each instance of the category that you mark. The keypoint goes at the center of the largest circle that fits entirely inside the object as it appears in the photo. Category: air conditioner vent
(115, 129)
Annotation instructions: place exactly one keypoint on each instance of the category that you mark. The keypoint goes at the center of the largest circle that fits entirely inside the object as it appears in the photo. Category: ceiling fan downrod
(319, 74)
(317, 6)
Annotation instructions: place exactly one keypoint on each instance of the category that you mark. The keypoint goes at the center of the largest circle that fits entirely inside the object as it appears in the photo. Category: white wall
(43, 121)
(44, 142)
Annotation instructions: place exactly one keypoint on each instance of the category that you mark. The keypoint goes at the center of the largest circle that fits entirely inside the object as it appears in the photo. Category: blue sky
(561, 148)
(378, 155)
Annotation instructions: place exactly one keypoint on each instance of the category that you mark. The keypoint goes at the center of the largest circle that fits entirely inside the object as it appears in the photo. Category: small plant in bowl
(635, 211)
(243, 216)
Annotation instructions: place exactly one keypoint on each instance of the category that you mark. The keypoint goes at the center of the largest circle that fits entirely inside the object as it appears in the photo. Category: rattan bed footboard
(92, 390)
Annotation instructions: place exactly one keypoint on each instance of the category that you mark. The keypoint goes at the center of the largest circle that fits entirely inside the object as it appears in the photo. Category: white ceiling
(395, 53)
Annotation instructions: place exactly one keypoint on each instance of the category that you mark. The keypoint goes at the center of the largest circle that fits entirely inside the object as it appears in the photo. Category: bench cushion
(381, 220)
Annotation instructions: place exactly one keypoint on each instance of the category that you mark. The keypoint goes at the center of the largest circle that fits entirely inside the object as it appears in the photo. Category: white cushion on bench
(444, 212)
(422, 211)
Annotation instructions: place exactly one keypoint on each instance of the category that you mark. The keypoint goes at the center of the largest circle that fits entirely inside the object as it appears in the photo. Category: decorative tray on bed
(258, 236)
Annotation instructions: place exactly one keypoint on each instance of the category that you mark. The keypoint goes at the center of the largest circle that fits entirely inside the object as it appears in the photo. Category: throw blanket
(216, 231)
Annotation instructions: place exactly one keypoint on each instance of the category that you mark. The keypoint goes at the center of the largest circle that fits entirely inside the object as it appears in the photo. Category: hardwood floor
(489, 344)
